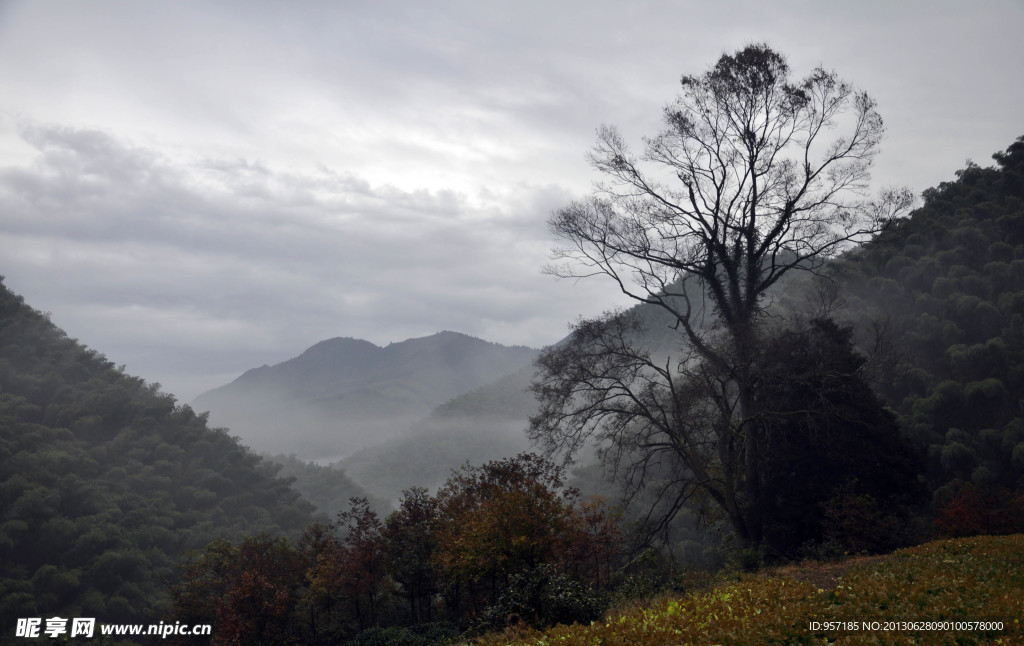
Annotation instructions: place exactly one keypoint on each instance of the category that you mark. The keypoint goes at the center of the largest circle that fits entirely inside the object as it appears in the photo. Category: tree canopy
(948, 284)
(453, 557)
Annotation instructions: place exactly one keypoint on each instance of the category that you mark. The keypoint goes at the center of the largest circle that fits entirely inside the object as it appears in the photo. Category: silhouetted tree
(831, 440)
(742, 187)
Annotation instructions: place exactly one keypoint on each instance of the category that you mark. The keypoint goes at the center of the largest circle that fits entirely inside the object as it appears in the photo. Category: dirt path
(823, 574)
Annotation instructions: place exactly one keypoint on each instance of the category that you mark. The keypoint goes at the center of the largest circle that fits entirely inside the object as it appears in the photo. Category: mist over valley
(342, 395)
(408, 324)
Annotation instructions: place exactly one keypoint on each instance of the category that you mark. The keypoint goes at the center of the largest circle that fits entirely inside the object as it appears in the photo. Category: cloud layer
(229, 259)
(197, 188)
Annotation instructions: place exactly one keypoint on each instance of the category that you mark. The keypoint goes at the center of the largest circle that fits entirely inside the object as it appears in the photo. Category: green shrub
(543, 597)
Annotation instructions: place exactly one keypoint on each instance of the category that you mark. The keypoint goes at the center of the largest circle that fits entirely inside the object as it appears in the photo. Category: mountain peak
(339, 344)
(443, 335)
(341, 393)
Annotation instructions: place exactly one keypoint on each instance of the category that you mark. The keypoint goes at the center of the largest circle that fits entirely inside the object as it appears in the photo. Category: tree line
(498, 543)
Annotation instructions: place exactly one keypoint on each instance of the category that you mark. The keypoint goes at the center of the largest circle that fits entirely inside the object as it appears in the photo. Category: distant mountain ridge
(343, 394)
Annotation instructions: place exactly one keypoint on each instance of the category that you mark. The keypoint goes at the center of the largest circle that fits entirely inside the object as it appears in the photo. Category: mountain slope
(328, 488)
(106, 482)
(344, 394)
(486, 423)
(965, 591)
(948, 283)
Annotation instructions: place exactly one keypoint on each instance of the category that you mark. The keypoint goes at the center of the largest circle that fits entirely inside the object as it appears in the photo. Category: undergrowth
(919, 595)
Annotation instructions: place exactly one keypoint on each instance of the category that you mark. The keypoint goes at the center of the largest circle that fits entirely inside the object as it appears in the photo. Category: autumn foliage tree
(267, 590)
(968, 510)
(501, 517)
(351, 568)
(410, 542)
(447, 558)
(511, 516)
(248, 593)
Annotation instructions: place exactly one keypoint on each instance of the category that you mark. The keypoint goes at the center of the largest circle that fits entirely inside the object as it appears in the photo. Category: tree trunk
(751, 433)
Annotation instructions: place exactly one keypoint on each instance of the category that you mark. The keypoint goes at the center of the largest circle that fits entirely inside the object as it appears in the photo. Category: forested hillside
(948, 285)
(105, 481)
(327, 487)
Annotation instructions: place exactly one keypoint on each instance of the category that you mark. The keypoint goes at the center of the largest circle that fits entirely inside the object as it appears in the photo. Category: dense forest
(121, 504)
(948, 286)
(106, 482)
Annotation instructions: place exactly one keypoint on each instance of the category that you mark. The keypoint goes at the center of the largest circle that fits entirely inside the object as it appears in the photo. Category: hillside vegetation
(106, 481)
(961, 591)
(948, 283)
(941, 294)
(438, 564)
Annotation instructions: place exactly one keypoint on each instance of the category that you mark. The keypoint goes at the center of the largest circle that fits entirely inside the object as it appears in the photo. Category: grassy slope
(974, 579)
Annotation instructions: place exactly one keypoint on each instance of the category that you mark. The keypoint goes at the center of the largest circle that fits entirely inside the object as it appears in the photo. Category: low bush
(970, 510)
(542, 597)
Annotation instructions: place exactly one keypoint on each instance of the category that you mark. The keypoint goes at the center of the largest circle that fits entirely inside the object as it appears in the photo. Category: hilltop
(344, 394)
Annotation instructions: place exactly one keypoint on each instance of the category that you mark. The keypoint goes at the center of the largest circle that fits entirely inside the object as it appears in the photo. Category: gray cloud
(228, 257)
(196, 188)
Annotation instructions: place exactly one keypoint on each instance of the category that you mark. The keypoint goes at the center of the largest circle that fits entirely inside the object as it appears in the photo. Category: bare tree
(753, 176)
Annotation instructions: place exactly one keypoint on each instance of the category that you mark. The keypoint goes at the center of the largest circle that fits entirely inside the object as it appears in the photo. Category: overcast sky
(195, 188)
